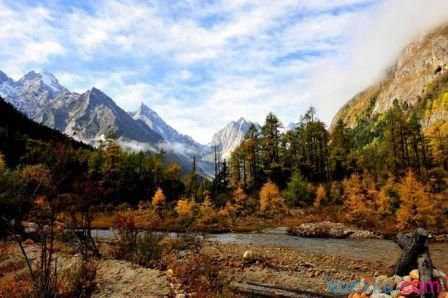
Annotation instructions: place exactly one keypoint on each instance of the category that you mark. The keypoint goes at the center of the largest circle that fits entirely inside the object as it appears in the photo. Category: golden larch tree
(271, 200)
(207, 212)
(159, 199)
(383, 201)
(417, 208)
(357, 202)
(184, 208)
(321, 195)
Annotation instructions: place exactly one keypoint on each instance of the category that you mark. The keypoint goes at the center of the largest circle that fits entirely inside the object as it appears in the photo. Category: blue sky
(203, 63)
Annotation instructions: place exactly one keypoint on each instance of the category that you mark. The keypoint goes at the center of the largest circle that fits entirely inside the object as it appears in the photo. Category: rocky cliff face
(174, 141)
(227, 139)
(87, 117)
(419, 79)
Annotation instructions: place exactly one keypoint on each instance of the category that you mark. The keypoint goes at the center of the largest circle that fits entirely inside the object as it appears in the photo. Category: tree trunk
(416, 255)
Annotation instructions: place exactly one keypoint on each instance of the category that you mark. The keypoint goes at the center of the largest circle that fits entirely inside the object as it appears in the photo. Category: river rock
(369, 290)
(360, 286)
(414, 274)
(327, 229)
(381, 295)
(407, 278)
(397, 279)
(438, 274)
(250, 256)
(386, 284)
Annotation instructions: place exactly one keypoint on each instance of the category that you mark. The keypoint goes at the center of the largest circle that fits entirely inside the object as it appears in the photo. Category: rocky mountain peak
(4, 77)
(144, 109)
(230, 137)
(422, 66)
(43, 81)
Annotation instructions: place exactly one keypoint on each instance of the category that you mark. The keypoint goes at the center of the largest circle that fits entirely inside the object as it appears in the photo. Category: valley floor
(271, 264)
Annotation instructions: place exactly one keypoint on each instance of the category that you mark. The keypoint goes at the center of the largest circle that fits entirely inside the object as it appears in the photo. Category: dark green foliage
(16, 129)
(383, 145)
(80, 177)
(297, 192)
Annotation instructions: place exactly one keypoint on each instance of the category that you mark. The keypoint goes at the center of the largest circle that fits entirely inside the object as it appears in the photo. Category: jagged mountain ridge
(88, 117)
(30, 93)
(228, 139)
(419, 79)
(91, 116)
(183, 144)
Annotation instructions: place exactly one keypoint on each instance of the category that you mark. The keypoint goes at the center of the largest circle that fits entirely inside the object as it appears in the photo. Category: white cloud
(39, 51)
(377, 39)
(27, 36)
(200, 64)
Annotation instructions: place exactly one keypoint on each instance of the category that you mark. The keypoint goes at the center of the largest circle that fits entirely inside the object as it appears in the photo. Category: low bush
(198, 275)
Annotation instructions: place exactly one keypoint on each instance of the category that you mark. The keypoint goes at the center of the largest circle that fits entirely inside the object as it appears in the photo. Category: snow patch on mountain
(230, 137)
(174, 141)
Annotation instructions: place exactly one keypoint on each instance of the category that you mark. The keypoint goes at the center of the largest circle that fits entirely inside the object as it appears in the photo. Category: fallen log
(266, 290)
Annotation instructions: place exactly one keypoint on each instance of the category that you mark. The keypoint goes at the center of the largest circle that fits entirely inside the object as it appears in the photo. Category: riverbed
(371, 250)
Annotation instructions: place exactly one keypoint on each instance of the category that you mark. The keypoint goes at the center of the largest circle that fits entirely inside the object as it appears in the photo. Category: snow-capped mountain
(87, 117)
(92, 116)
(227, 139)
(32, 93)
(175, 141)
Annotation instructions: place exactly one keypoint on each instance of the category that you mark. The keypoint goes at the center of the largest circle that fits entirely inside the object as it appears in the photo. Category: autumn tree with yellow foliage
(184, 208)
(383, 200)
(207, 212)
(321, 195)
(241, 201)
(271, 201)
(158, 200)
(358, 201)
(417, 207)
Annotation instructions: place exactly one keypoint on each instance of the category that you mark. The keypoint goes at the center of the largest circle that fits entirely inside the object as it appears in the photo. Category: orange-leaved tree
(417, 207)
(321, 195)
(271, 201)
(158, 200)
(384, 199)
(241, 200)
(358, 201)
(185, 208)
(207, 212)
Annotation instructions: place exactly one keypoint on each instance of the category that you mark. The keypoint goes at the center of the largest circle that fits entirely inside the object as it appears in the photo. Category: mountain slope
(92, 116)
(15, 128)
(87, 117)
(229, 138)
(175, 141)
(32, 92)
(419, 80)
